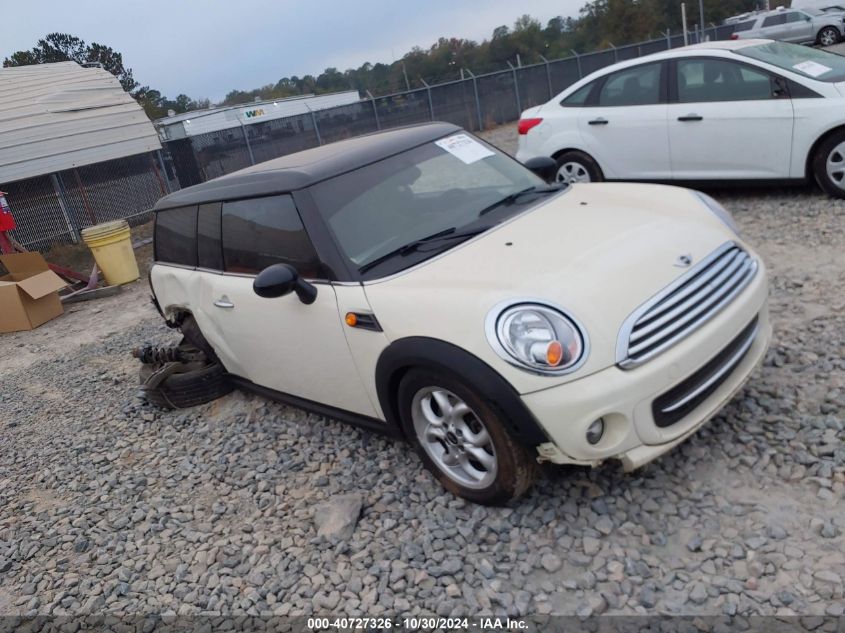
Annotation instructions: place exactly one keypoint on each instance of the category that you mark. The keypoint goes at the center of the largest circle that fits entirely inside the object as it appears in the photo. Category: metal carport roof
(58, 116)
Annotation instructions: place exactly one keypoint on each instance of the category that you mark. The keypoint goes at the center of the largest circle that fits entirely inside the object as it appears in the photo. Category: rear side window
(703, 80)
(639, 85)
(774, 20)
(209, 249)
(744, 26)
(260, 232)
(176, 236)
(578, 98)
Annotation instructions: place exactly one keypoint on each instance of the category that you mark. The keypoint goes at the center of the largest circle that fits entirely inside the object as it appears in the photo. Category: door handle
(599, 121)
(223, 302)
(690, 117)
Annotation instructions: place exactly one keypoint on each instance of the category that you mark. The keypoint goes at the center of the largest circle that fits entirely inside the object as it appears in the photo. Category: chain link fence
(476, 102)
(54, 208)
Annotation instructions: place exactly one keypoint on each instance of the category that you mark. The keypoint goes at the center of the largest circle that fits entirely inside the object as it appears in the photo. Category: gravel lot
(107, 505)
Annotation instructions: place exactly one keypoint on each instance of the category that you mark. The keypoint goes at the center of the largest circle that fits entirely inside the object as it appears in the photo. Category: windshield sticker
(464, 147)
(814, 69)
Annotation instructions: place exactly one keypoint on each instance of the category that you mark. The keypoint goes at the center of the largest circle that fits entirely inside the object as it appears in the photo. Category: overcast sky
(205, 48)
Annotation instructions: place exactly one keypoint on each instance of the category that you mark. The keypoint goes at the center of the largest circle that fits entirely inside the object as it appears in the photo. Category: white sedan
(734, 110)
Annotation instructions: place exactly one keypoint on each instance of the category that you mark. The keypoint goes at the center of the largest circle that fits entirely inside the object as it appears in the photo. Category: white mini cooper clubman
(422, 283)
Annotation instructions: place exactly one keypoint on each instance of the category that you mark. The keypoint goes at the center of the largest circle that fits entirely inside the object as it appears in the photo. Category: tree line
(600, 24)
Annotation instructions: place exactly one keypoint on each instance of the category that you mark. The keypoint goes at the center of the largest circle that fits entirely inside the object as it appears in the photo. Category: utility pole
(684, 22)
(701, 17)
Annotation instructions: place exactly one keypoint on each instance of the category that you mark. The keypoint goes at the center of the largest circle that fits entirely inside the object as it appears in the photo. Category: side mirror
(543, 166)
(281, 279)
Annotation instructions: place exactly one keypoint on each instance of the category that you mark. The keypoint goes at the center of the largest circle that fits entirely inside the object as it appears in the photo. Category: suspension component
(161, 354)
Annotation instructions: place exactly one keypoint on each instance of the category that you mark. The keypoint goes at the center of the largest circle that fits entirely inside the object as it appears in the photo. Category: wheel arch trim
(419, 352)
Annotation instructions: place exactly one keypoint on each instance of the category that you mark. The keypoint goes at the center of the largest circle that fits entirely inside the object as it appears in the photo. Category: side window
(639, 85)
(795, 16)
(209, 249)
(744, 26)
(774, 20)
(176, 236)
(578, 98)
(264, 231)
(703, 80)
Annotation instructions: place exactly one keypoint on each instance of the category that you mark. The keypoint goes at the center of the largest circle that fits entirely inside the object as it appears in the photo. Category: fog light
(595, 431)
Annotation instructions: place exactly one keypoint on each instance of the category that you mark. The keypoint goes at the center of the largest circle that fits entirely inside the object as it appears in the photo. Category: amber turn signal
(351, 319)
(554, 353)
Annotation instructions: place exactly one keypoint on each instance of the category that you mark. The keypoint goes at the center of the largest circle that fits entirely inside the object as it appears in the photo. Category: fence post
(668, 39)
(615, 53)
(316, 127)
(516, 89)
(163, 171)
(578, 62)
(477, 100)
(548, 76)
(60, 195)
(375, 110)
(430, 102)
(248, 146)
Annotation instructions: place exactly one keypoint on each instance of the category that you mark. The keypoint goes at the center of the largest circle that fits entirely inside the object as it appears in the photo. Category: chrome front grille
(685, 305)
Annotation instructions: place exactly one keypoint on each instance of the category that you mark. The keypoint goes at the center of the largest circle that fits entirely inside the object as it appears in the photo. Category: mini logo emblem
(683, 261)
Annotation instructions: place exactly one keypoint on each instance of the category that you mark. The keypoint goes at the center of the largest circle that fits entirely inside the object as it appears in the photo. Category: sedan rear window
(176, 236)
(809, 62)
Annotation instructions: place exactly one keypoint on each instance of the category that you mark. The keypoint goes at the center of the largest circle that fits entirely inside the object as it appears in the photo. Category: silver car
(807, 26)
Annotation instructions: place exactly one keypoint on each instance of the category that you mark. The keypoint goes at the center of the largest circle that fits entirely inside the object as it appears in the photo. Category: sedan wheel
(828, 36)
(463, 439)
(572, 172)
(828, 164)
(454, 437)
(836, 165)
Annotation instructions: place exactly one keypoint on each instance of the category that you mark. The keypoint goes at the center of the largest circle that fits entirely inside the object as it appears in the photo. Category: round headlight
(537, 337)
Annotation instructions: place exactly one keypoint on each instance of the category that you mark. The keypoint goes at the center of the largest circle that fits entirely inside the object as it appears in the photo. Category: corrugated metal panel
(212, 121)
(58, 116)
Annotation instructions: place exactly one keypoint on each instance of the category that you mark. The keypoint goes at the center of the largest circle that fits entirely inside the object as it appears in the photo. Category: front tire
(574, 166)
(829, 164)
(462, 439)
(828, 36)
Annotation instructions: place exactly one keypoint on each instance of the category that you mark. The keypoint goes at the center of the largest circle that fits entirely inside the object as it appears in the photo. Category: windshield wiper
(513, 197)
(446, 234)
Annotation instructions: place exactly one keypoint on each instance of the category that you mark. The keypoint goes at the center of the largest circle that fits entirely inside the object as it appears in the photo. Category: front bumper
(624, 398)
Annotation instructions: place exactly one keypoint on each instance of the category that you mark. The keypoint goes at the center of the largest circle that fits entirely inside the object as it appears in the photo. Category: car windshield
(423, 200)
(810, 62)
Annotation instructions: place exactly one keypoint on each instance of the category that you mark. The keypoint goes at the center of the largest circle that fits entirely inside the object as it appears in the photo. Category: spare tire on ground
(180, 376)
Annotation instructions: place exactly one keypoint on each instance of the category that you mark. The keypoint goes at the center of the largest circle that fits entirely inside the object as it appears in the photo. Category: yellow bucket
(112, 248)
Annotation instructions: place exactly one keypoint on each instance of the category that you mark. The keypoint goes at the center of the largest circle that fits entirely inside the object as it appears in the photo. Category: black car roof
(295, 171)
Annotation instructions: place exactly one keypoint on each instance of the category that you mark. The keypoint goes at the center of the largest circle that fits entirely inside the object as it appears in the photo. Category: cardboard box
(29, 293)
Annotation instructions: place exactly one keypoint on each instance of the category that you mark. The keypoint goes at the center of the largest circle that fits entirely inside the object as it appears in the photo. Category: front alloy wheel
(462, 439)
(829, 36)
(454, 437)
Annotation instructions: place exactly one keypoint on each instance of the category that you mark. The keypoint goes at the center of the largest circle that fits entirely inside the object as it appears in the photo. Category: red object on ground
(7, 222)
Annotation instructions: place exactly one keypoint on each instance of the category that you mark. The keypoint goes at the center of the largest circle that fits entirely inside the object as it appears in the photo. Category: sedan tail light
(734, 36)
(526, 124)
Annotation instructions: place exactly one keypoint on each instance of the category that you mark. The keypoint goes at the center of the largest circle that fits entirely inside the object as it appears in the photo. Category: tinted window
(579, 97)
(744, 26)
(209, 251)
(796, 16)
(634, 86)
(701, 80)
(176, 236)
(774, 20)
(264, 231)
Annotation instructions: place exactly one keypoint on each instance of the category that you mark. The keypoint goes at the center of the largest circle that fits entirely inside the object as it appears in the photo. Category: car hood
(597, 250)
